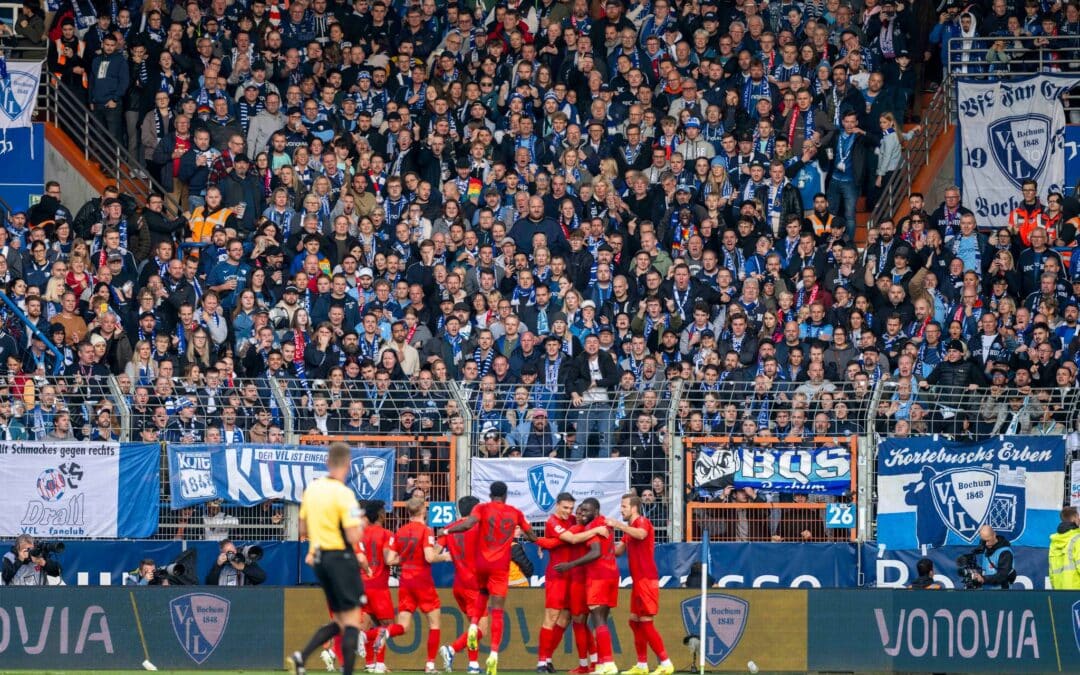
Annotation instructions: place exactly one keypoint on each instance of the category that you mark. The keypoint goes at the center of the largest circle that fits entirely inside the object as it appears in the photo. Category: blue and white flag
(249, 474)
(59, 489)
(933, 492)
(534, 484)
(1011, 131)
(809, 470)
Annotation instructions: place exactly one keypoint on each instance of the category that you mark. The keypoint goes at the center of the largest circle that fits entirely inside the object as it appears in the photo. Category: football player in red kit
(462, 548)
(497, 522)
(602, 587)
(564, 538)
(415, 545)
(639, 544)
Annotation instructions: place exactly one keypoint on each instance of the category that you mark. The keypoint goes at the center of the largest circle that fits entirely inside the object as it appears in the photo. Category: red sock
(433, 643)
(337, 648)
(557, 633)
(656, 643)
(381, 656)
(369, 648)
(603, 644)
(641, 643)
(591, 640)
(543, 644)
(497, 616)
(581, 639)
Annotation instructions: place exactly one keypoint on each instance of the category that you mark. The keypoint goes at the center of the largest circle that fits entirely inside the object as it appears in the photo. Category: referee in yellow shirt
(330, 521)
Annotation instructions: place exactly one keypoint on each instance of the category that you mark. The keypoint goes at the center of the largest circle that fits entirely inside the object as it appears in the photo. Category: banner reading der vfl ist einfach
(76, 489)
(933, 492)
(533, 484)
(1011, 131)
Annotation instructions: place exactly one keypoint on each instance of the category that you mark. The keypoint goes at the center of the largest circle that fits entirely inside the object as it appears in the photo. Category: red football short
(380, 606)
(495, 581)
(467, 599)
(602, 592)
(645, 597)
(415, 596)
(557, 593)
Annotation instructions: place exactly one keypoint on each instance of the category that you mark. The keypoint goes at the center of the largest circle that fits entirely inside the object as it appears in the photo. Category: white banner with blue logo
(933, 492)
(249, 474)
(804, 470)
(1011, 131)
(19, 83)
(53, 490)
(533, 484)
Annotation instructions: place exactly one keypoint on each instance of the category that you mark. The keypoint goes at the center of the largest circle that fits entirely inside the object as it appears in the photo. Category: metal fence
(62, 407)
(996, 57)
(731, 513)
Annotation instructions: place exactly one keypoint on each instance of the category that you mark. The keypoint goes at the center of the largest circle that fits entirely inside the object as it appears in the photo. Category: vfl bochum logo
(546, 481)
(1076, 622)
(368, 476)
(725, 621)
(1020, 146)
(962, 498)
(17, 93)
(199, 621)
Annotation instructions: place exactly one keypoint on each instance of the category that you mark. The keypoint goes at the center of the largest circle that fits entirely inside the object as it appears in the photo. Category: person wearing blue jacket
(108, 84)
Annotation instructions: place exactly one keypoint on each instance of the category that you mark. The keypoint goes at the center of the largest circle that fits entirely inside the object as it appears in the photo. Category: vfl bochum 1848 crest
(1020, 146)
(17, 93)
(963, 498)
(368, 474)
(546, 481)
(199, 621)
(1076, 622)
(725, 621)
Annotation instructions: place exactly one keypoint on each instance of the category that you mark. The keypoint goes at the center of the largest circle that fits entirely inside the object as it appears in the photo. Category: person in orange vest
(67, 61)
(1028, 215)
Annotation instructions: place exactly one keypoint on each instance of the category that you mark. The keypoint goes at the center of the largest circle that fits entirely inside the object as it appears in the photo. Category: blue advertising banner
(943, 631)
(74, 489)
(248, 474)
(896, 569)
(934, 492)
(812, 470)
(170, 628)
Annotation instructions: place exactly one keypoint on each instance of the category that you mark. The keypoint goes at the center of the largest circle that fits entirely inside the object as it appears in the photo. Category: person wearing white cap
(693, 145)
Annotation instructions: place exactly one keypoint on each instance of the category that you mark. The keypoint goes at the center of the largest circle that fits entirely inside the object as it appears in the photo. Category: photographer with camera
(236, 567)
(990, 565)
(30, 564)
(144, 575)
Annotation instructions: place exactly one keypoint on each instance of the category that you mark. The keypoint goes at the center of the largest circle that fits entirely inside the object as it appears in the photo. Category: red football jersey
(497, 522)
(575, 551)
(605, 566)
(462, 547)
(640, 553)
(554, 528)
(410, 541)
(375, 541)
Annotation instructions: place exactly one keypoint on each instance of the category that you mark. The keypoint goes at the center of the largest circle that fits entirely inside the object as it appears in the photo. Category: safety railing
(767, 488)
(1004, 56)
(74, 407)
(915, 155)
(70, 113)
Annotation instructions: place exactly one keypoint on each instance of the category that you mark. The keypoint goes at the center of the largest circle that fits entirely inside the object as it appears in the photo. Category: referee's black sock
(348, 648)
(320, 638)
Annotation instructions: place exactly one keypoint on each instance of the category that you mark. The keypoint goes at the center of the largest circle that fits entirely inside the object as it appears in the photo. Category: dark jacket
(109, 79)
(582, 378)
(235, 190)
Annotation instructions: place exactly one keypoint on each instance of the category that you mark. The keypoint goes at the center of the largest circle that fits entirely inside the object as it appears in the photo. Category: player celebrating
(563, 537)
(602, 591)
(330, 520)
(639, 543)
(462, 549)
(497, 522)
(415, 545)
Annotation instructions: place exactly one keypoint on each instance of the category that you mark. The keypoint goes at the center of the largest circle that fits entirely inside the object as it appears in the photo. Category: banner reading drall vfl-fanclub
(933, 492)
(58, 490)
(1011, 131)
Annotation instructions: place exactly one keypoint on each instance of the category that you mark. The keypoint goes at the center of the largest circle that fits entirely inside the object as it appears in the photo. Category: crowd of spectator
(569, 208)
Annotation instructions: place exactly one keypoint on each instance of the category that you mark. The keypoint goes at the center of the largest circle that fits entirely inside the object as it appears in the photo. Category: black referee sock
(320, 638)
(348, 648)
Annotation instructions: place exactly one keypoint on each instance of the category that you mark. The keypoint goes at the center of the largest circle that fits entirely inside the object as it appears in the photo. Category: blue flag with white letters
(249, 474)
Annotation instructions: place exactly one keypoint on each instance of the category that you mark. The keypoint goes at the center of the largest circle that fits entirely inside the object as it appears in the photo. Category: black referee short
(338, 573)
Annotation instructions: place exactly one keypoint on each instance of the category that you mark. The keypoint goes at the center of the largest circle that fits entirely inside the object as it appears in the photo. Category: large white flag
(18, 93)
(1011, 131)
(534, 484)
